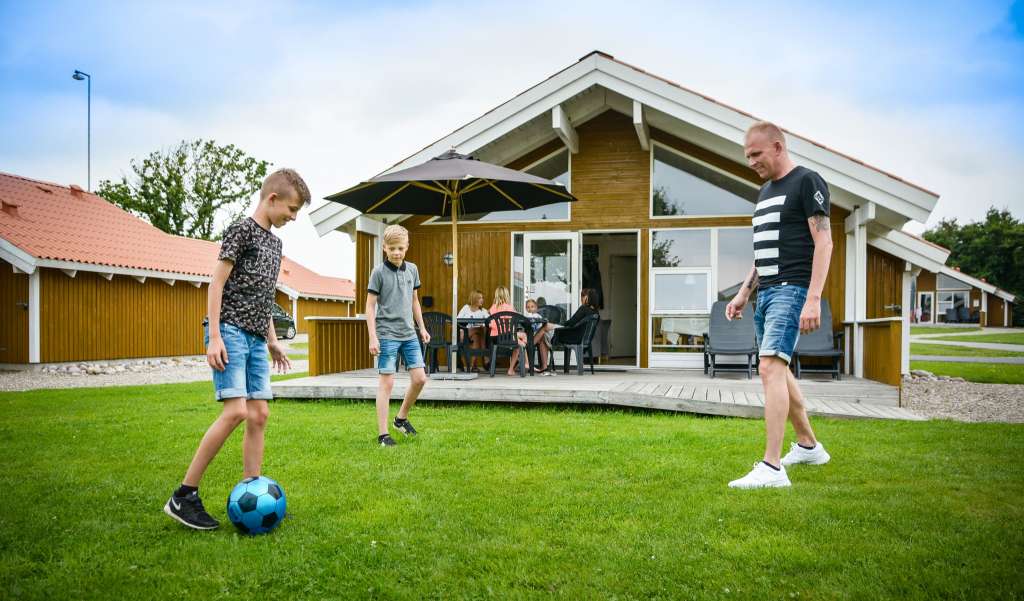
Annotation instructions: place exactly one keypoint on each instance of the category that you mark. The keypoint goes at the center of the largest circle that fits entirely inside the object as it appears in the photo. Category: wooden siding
(485, 262)
(994, 311)
(88, 317)
(282, 299)
(338, 345)
(882, 352)
(835, 283)
(310, 307)
(364, 265)
(13, 318)
(885, 285)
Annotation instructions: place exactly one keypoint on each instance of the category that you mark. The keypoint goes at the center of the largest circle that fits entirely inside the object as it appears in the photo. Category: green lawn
(926, 330)
(994, 373)
(299, 345)
(920, 348)
(1014, 338)
(291, 356)
(502, 501)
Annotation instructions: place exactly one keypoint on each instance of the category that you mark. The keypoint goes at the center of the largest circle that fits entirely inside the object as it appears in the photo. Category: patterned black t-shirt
(783, 244)
(248, 299)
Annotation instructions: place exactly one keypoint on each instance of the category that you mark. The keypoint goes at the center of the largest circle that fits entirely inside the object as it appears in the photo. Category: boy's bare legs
(384, 386)
(252, 443)
(233, 413)
(417, 378)
(542, 342)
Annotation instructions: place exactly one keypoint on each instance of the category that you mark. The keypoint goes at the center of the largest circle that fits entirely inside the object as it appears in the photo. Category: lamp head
(78, 75)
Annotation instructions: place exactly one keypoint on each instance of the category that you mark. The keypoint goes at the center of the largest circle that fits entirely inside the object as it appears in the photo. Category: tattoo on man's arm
(821, 222)
(750, 284)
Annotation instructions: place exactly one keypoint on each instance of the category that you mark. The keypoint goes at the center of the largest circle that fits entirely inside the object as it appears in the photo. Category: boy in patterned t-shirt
(239, 333)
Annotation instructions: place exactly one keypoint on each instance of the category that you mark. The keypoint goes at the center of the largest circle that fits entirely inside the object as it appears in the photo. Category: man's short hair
(395, 234)
(770, 131)
(283, 180)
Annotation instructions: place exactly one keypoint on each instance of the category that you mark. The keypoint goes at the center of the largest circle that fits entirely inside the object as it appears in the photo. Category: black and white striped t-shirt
(783, 246)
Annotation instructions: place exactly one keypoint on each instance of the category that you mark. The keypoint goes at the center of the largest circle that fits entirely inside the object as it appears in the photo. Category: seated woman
(475, 308)
(502, 302)
(572, 332)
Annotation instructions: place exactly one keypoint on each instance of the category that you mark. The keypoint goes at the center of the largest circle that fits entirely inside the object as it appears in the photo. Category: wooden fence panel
(338, 344)
(882, 347)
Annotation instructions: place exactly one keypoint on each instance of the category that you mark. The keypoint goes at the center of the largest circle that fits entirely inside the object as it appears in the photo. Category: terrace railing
(338, 344)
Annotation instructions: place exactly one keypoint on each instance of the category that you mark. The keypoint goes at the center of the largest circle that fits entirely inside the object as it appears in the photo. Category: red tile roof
(66, 223)
(709, 99)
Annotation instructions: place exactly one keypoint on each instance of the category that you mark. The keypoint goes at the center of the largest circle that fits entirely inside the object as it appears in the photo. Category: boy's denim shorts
(410, 350)
(777, 320)
(247, 372)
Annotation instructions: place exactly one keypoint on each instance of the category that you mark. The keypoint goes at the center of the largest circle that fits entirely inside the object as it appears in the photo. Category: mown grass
(501, 501)
(291, 356)
(1013, 338)
(926, 330)
(991, 373)
(299, 345)
(920, 348)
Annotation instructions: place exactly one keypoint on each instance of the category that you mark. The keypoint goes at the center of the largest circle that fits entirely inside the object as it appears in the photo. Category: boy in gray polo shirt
(392, 301)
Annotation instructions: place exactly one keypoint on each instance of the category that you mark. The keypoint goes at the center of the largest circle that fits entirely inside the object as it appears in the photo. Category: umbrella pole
(453, 367)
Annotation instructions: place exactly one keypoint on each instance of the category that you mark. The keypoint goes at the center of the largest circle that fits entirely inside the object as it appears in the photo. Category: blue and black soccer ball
(256, 505)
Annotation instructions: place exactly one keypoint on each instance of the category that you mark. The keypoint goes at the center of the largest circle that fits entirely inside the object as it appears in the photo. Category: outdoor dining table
(466, 323)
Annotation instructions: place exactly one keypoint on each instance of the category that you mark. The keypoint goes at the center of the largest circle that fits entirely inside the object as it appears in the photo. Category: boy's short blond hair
(395, 234)
(528, 301)
(284, 180)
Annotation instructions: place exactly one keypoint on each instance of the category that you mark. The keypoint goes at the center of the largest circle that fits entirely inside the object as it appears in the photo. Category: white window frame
(568, 188)
(707, 271)
(952, 300)
(650, 194)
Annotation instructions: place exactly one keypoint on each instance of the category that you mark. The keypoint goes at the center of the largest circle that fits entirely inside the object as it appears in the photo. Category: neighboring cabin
(935, 294)
(83, 280)
(663, 223)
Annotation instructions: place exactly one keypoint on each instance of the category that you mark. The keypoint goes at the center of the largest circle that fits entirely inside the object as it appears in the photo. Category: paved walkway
(687, 391)
(956, 359)
(991, 346)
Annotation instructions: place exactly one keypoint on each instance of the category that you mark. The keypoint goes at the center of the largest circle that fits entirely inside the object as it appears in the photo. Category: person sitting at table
(573, 330)
(531, 312)
(502, 302)
(475, 331)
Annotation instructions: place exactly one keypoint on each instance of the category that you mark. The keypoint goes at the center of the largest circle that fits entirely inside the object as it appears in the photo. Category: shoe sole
(818, 461)
(403, 431)
(769, 485)
(168, 511)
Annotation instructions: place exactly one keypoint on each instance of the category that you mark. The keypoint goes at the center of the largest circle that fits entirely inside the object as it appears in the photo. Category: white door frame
(930, 293)
(639, 269)
(574, 268)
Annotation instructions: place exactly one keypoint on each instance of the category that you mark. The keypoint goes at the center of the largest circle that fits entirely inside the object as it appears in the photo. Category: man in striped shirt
(792, 249)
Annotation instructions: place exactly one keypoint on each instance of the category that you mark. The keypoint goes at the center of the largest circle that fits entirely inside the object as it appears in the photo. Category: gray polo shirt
(394, 288)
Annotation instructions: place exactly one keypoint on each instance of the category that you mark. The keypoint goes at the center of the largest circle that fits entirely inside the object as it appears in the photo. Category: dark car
(284, 324)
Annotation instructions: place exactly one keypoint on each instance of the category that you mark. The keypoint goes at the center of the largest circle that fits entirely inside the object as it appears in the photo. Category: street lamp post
(80, 76)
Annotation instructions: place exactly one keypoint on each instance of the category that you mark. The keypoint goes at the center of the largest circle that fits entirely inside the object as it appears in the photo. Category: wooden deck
(669, 390)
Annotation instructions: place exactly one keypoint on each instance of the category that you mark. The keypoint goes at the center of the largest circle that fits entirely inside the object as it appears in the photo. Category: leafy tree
(195, 189)
(992, 249)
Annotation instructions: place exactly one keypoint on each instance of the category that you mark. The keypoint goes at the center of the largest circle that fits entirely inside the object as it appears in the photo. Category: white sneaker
(762, 476)
(798, 454)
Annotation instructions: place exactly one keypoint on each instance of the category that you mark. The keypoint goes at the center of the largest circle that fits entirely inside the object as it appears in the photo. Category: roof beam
(70, 272)
(140, 278)
(564, 129)
(196, 284)
(640, 123)
(168, 281)
(106, 276)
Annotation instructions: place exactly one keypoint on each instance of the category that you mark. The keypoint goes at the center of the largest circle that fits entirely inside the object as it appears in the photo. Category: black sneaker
(384, 440)
(403, 426)
(190, 511)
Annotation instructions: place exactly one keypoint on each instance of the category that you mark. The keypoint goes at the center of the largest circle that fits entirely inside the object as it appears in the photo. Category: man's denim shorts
(412, 355)
(247, 373)
(777, 320)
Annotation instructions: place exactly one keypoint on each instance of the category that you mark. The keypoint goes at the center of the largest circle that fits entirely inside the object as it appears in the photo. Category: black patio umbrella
(452, 185)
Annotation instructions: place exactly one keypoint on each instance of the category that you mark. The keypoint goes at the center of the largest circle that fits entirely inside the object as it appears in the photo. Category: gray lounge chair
(726, 337)
(951, 316)
(820, 343)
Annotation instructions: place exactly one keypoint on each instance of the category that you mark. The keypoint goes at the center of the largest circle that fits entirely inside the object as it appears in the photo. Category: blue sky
(930, 91)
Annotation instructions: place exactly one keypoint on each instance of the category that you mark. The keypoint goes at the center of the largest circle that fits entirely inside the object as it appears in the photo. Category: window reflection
(680, 186)
(735, 258)
(682, 248)
(678, 334)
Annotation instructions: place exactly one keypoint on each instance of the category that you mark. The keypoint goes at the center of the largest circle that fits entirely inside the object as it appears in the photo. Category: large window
(951, 300)
(690, 269)
(681, 186)
(944, 282)
(554, 167)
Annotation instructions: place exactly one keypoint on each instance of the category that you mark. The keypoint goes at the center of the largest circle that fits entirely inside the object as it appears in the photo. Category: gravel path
(968, 359)
(121, 373)
(964, 401)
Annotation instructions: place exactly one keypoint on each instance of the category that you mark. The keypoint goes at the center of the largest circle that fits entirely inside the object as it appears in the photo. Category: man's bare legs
(782, 399)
